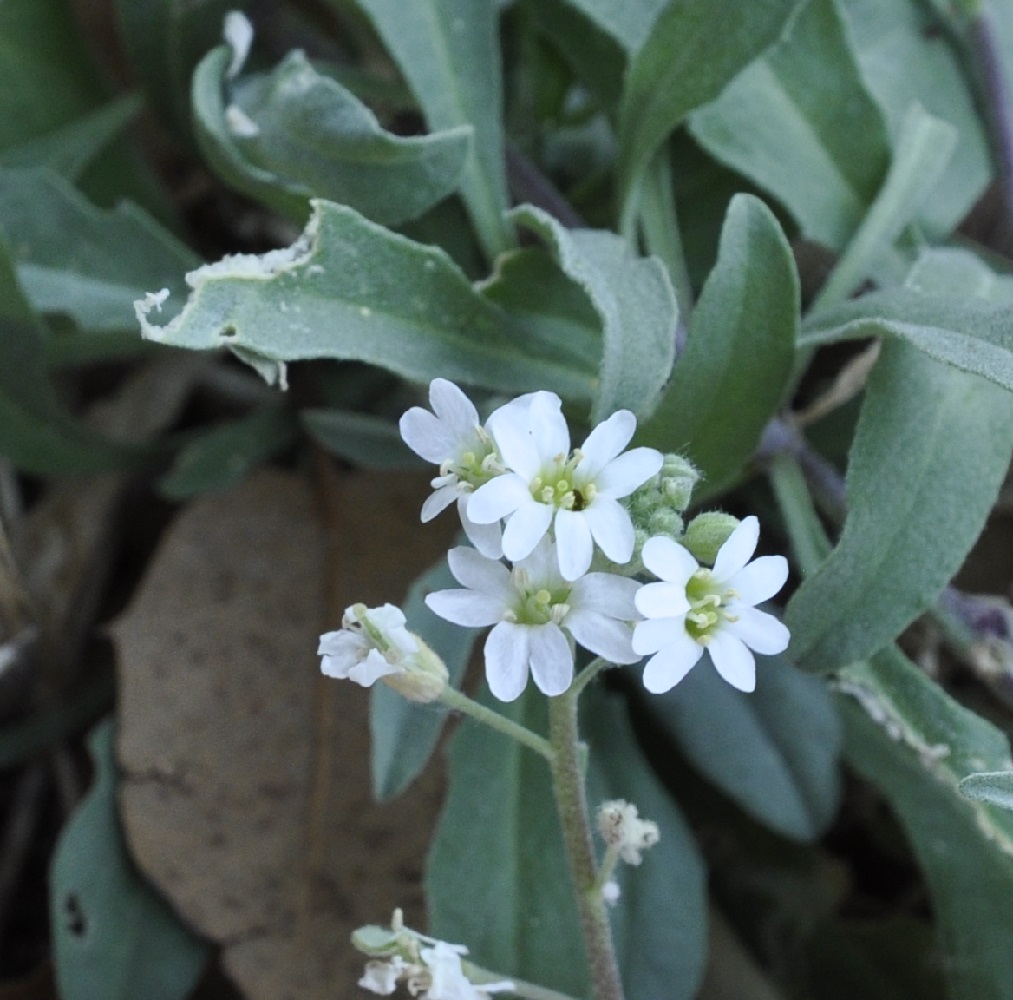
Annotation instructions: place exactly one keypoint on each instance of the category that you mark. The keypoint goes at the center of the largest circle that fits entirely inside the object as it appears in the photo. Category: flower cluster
(559, 535)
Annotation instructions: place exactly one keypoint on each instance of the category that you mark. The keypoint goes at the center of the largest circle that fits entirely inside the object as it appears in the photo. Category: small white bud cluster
(624, 831)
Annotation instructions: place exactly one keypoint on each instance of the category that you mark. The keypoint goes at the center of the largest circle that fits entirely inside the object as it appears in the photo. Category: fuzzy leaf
(635, 305)
(114, 936)
(351, 290)
(695, 47)
(448, 51)
(910, 739)
(775, 751)
(314, 138)
(800, 123)
(932, 446)
(994, 787)
(738, 359)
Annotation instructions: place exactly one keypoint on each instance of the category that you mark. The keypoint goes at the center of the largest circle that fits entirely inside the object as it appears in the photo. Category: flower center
(556, 486)
(474, 466)
(708, 606)
(538, 605)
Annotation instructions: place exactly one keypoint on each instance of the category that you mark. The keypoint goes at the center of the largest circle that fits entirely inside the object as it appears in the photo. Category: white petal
(438, 502)
(737, 550)
(524, 528)
(454, 409)
(668, 560)
(662, 600)
(466, 607)
(478, 572)
(760, 580)
(612, 528)
(498, 498)
(371, 669)
(670, 665)
(487, 538)
(624, 474)
(426, 436)
(548, 426)
(733, 661)
(603, 636)
(655, 633)
(510, 429)
(542, 565)
(759, 631)
(607, 594)
(341, 643)
(387, 618)
(573, 542)
(551, 659)
(605, 442)
(506, 660)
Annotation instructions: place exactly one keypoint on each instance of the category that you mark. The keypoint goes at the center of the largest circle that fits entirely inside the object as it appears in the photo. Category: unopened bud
(707, 532)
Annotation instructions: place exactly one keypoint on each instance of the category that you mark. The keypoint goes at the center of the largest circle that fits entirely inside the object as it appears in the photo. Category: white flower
(547, 486)
(382, 976)
(369, 645)
(453, 438)
(447, 980)
(530, 607)
(622, 828)
(694, 608)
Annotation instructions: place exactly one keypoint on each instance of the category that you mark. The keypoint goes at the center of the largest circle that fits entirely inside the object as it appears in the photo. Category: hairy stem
(571, 805)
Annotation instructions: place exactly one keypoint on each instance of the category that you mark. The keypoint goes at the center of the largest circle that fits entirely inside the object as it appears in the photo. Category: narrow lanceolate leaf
(775, 752)
(931, 449)
(694, 49)
(738, 359)
(671, 870)
(518, 915)
(905, 58)
(923, 148)
(910, 739)
(448, 51)
(36, 433)
(952, 306)
(351, 290)
(800, 123)
(87, 263)
(68, 149)
(402, 736)
(113, 934)
(303, 135)
(635, 305)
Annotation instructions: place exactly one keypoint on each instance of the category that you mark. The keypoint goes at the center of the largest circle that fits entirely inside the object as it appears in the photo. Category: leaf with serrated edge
(931, 449)
(738, 359)
(352, 290)
(635, 304)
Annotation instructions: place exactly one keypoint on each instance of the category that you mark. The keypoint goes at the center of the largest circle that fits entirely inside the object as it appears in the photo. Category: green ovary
(708, 606)
(555, 486)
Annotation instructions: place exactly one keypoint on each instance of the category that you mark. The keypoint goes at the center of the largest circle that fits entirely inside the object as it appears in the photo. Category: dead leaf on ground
(245, 794)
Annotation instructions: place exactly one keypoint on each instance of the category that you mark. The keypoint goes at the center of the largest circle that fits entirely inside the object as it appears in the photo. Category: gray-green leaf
(994, 787)
(800, 123)
(448, 51)
(114, 936)
(634, 302)
(931, 449)
(308, 136)
(775, 752)
(738, 359)
(351, 290)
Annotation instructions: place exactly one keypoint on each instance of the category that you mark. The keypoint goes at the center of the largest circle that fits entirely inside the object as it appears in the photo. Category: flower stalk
(571, 805)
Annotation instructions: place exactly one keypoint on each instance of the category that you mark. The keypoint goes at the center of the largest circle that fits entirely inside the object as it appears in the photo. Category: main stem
(571, 804)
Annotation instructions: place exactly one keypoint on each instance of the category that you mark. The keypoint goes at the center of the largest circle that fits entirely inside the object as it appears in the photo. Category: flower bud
(423, 676)
(707, 532)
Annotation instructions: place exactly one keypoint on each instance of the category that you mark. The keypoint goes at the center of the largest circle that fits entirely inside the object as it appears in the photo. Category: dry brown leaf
(246, 775)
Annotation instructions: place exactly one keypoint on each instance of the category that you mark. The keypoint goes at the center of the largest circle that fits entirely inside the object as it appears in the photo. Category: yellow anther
(543, 597)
